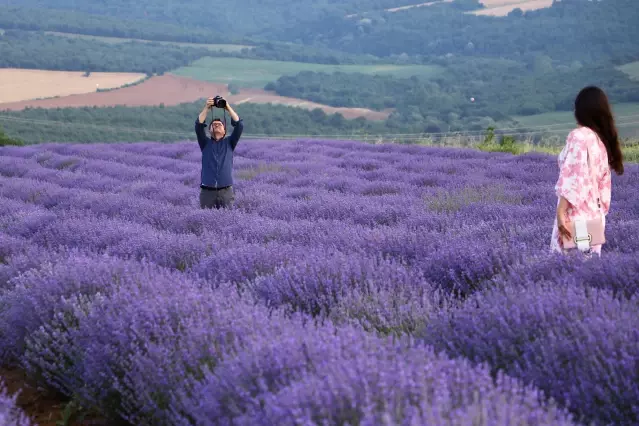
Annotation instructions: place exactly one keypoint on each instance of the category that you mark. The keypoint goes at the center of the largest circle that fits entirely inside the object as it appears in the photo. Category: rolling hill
(385, 60)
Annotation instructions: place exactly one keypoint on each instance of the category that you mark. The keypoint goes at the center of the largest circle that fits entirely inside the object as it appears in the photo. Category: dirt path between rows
(44, 407)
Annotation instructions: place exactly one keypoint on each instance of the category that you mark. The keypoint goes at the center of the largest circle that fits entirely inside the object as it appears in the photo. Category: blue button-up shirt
(217, 156)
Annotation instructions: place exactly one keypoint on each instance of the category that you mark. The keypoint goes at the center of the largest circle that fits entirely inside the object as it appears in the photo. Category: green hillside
(627, 115)
(243, 16)
(18, 16)
(37, 50)
(588, 31)
(258, 73)
(425, 62)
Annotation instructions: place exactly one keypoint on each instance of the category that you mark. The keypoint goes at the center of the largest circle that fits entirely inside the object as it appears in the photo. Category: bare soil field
(259, 96)
(504, 7)
(26, 84)
(174, 90)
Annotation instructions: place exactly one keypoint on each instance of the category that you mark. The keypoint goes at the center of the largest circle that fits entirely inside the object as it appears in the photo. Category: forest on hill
(577, 30)
(36, 50)
(22, 17)
(571, 30)
(244, 17)
(500, 89)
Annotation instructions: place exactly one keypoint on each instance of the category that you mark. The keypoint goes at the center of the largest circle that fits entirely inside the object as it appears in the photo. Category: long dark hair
(592, 110)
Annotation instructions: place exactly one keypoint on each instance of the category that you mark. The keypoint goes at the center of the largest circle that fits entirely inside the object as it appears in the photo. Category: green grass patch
(631, 151)
(566, 117)
(453, 201)
(562, 122)
(118, 40)
(257, 73)
(252, 172)
(631, 69)
(510, 144)
(6, 140)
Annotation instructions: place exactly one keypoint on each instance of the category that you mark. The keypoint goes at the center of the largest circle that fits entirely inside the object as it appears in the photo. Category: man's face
(217, 129)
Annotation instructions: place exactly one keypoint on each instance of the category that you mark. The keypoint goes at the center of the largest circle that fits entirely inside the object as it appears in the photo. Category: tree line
(577, 30)
(499, 89)
(247, 18)
(171, 123)
(74, 22)
(589, 32)
(27, 49)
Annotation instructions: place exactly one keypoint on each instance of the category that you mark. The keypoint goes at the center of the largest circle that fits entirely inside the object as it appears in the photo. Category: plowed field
(173, 90)
(25, 84)
(504, 7)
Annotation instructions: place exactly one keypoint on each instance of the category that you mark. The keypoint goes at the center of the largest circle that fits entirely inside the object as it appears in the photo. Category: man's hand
(207, 106)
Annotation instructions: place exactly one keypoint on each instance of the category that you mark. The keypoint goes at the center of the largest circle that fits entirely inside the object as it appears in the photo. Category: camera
(219, 102)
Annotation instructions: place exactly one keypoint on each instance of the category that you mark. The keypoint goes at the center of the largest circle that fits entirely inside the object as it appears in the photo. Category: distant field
(256, 73)
(410, 6)
(631, 69)
(116, 40)
(626, 114)
(504, 7)
(173, 90)
(22, 84)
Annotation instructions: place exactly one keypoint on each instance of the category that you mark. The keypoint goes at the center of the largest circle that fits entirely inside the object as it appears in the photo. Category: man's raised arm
(200, 124)
(238, 126)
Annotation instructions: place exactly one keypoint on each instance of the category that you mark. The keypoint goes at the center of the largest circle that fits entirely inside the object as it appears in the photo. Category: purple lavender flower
(378, 294)
(10, 414)
(578, 344)
(298, 375)
(116, 287)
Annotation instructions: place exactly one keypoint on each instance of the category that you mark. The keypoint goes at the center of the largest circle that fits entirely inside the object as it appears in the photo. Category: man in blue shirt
(216, 188)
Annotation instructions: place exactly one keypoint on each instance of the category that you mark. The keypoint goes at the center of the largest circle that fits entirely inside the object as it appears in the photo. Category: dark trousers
(217, 198)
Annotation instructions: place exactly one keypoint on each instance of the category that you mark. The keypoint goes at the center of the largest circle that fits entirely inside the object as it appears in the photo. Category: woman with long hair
(583, 189)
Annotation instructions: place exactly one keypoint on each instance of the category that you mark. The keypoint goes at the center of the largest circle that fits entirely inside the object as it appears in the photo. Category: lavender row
(71, 287)
(316, 186)
(336, 211)
(150, 346)
(576, 343)
(451, 265)
(233, 252)
(377, 293)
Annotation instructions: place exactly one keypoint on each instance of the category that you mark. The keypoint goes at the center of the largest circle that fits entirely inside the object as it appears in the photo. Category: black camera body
(219, 102)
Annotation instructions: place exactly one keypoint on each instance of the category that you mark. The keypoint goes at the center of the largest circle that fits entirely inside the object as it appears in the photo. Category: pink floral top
(575, 183)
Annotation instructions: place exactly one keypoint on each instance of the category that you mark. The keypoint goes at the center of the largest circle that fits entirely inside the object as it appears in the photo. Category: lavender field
(352, 284)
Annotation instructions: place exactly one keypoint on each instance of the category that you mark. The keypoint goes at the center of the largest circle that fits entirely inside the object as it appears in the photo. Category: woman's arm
(562, 214)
